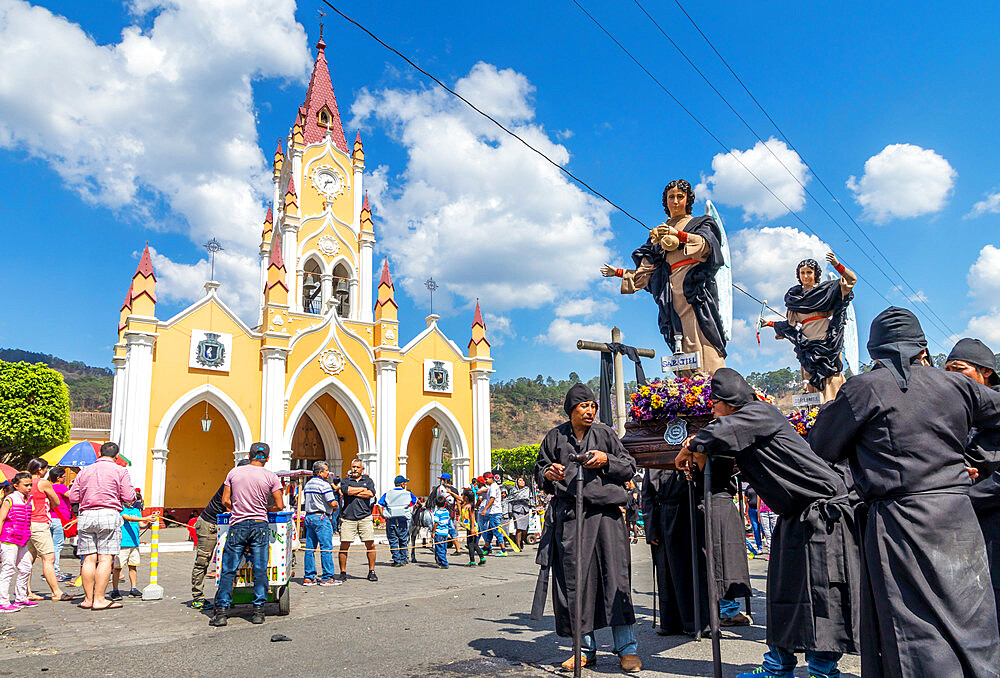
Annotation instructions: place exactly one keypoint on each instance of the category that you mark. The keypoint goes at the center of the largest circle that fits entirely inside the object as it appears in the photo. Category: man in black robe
(927, 608)
(607, 560)
(812, 575)
(667, 494)
(976, 360)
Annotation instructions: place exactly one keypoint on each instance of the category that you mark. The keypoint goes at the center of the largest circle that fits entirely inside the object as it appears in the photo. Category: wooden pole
(584, 345)
(616, 337)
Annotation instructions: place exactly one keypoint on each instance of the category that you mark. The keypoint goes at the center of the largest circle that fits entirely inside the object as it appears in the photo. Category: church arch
(352, 408)
(430, 414)
(312, 285)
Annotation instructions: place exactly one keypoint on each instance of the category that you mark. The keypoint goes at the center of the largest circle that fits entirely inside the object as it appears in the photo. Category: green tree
(777, 382)
(34, 411)
(518, 461)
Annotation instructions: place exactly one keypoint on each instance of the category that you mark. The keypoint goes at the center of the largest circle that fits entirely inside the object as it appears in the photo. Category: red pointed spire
(291, 186)
(386, 278)
(128, 298)
(276, 259)
(269, 219)
(478, 318)
(280, 153)
(365, 205)
(320, 95)
(357, 139)
(145, 268)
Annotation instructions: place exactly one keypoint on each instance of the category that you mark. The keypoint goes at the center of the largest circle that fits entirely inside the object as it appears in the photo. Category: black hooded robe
(819, 357)
(926, 607)
(700, 289)
(985, 496)
(607, 593)
(666, 502)
(813, 572)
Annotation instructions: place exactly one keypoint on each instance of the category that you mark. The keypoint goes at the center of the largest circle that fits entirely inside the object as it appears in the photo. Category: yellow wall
(198, 462)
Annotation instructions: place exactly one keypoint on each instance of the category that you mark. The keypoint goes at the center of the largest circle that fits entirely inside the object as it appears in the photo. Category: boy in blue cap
(442, 532)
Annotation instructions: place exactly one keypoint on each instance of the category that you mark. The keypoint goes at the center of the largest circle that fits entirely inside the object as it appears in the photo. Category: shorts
(129, 555)
(99, 531)
(40, 543)
(363, 529)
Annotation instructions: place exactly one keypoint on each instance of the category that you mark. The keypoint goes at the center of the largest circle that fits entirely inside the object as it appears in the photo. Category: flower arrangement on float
(802, 422)
(668, 399)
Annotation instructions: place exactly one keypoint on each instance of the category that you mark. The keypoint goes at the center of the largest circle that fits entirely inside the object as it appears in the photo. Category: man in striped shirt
(319, 503)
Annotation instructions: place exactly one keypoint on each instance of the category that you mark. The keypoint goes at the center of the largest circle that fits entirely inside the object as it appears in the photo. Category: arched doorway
(329, 418)
(431, 437)
(190, 463)
(198, 461)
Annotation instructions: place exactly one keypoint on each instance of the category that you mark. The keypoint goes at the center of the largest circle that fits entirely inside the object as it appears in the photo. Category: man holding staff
(605, 553)
(812, 575)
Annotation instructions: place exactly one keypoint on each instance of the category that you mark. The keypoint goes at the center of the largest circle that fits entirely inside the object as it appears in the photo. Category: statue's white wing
(851, 354)
(724, 276)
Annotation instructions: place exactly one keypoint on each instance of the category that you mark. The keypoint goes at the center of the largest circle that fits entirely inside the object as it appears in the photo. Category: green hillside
(89, 387)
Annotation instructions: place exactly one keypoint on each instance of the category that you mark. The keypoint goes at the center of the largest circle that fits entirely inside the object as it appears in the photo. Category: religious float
(663, 414)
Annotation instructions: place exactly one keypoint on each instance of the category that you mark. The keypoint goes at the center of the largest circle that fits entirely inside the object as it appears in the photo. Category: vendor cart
(281, 535)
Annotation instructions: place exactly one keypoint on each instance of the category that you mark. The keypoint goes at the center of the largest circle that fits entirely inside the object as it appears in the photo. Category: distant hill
(89, 387)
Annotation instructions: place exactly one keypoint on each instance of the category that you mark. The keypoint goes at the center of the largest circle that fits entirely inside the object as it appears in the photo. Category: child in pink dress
(15, 531)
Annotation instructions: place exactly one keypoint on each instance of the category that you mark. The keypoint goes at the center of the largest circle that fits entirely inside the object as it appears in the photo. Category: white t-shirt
(493, 491)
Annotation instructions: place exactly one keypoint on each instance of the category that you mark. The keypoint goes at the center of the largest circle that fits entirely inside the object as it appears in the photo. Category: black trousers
(472, 543)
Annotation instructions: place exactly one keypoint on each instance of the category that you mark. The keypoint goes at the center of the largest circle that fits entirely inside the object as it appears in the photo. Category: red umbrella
(8, 471)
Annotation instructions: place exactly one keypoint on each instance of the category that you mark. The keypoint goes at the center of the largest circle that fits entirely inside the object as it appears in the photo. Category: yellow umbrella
(56, 453)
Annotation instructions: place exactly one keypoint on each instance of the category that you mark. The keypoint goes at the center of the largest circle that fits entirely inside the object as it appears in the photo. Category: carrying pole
(578, 588)
(653, 553)
(713, 598)
(694, 560)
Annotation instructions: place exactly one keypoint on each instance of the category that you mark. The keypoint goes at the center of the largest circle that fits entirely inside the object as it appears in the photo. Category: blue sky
(155, 121)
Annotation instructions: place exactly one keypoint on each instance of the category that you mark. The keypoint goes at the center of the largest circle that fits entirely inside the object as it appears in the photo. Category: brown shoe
(738, 619)
(631, 663)
(570, 664)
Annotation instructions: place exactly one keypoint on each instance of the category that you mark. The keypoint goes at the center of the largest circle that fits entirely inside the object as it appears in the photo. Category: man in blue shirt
(319, 503)
(397, 507)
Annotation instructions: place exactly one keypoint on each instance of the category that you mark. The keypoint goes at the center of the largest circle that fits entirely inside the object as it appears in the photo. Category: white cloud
(764, 259)
(984, 287)
(165, 115)
(919, 296)
(563, 334)
(474, 207)
(732, 184)
(499, 329)
(586, 306)
(903, 181)
(991, 204)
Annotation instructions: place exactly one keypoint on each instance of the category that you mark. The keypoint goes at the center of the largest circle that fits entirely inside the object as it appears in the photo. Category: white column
(326, 282)
(481, 444)
(159, 481)
(276, 198)
(382, 470)
(117, 399)
(359, 194)
(135, 417)
(365, 307)
(297, 304)
(289, 246)
(261, 282)
(272, 409)
(353, 300)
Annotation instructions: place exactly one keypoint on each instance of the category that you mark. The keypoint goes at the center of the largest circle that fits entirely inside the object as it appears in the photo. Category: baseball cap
(480, 479)
(487, 475)
(400, 480)
(260, 451)
(445, 476)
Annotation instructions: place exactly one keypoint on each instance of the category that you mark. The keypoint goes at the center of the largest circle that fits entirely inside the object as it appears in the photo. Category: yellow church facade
(323, 374)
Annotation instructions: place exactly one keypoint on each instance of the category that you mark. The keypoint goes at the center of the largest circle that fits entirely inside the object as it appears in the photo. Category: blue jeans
(755, 525)
(782, 662)
(396, 531)
(441, 549)
(319, 532)
(492, 522)
(58, 539)
(728, 608)
(625, 642)
(251, 536)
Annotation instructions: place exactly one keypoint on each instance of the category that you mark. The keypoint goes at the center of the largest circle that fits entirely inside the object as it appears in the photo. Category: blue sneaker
(761, 672)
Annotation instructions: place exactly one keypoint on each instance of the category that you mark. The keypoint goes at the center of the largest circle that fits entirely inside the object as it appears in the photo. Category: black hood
(729, 387)
(894, 340)
(976, 353)
(578, 393)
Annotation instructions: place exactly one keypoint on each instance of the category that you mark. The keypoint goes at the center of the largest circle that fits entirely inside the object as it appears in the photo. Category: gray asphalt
(416, 621)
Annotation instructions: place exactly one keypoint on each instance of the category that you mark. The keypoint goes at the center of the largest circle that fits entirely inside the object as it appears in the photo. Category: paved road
(415, 621)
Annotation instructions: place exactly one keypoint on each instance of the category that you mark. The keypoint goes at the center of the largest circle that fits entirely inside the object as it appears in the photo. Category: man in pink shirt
(101, 489)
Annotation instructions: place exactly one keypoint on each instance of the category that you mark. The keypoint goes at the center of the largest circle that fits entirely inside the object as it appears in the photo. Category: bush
(34, 411)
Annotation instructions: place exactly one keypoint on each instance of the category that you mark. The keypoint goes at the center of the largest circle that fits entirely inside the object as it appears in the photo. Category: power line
(488, 117)
(916, 294)
(722, 145)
